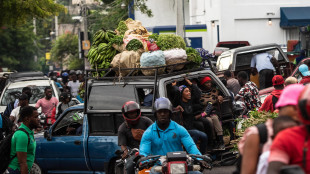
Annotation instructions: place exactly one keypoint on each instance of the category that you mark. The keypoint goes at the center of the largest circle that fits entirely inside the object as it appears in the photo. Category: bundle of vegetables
(194, 57)
(170, 41)
(255, 118)
(118, 40)
(154, 37)
(103, 36)
(122, 27)
(134, 45)
(101, 56)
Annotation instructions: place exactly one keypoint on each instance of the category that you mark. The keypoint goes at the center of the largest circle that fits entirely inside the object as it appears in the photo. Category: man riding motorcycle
(166, 135)
(130, 132)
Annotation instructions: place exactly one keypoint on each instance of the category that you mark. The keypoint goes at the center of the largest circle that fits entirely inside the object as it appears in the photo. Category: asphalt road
(221, 170)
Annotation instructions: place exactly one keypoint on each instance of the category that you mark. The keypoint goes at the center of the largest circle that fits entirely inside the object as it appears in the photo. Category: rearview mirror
(47, 135)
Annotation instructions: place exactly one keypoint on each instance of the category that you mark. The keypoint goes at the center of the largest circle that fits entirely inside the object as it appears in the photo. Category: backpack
(5, 150)
(274, 101)
(263, 138)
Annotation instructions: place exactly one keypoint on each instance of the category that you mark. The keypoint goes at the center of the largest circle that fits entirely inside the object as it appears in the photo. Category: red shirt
(305, 79)
(268, 105)
(288, 147)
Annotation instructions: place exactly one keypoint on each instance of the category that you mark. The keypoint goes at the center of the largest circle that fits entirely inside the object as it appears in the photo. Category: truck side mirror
(47, 135)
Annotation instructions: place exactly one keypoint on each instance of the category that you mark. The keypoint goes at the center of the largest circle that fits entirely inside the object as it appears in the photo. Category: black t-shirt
(190, 111)
(125, 136)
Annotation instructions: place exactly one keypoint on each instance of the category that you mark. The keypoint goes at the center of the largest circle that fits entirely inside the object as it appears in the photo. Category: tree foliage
(111, 13)
(18, 47)
(15, 12)
(66, 49)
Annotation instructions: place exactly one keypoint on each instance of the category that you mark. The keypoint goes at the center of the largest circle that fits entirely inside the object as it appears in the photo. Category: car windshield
(110, 97)
(13, 93)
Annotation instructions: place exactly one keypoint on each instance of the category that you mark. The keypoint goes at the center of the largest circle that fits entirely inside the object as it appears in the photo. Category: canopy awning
(294, 16)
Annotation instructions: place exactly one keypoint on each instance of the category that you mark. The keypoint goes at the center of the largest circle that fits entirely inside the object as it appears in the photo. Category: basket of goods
(175, 56)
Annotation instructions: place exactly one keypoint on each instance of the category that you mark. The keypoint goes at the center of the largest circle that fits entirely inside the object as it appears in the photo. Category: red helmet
(131, 106)
(304, 105)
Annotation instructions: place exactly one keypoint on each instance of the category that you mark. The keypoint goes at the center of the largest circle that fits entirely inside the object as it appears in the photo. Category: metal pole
(180, 18)
(84, 14)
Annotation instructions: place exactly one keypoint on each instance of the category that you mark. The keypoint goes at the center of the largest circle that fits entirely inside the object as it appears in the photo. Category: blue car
(68, 146)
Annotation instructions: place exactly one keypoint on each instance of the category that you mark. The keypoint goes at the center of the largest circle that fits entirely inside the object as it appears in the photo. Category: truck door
(67, 149)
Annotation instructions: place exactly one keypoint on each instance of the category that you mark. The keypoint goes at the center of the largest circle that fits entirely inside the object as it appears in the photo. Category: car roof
(79, 106)
(29, 83)
(249, 48)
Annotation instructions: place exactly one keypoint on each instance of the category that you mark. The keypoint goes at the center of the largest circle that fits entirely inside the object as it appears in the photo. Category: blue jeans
(198, 135)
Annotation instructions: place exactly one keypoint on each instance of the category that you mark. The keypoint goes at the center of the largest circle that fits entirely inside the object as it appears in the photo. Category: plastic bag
(175, 54)
(150, 59)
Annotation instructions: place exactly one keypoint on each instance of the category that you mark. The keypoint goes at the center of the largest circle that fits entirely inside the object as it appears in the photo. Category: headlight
(177, 168)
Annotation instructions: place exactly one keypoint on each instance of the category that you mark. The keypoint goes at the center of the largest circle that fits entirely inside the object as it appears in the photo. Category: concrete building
(230, 20)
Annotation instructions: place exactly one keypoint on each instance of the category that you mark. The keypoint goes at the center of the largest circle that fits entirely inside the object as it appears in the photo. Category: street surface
(221, 170)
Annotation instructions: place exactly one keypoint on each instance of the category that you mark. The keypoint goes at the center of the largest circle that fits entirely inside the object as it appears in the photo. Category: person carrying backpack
(23, 144)
(271, 100)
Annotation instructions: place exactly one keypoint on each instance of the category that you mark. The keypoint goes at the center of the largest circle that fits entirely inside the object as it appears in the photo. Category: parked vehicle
(93, 149)
(17, 81)
(227, 45)
(239, 59)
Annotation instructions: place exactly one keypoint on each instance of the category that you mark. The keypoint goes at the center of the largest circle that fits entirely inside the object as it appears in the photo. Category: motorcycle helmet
(304, 105)
(131, 106)
(163, 103)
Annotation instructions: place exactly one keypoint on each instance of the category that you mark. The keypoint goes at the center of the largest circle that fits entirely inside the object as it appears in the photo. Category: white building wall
(245, 20)
(164, 13)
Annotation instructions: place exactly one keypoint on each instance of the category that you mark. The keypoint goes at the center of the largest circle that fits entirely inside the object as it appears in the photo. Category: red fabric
(53, 115)
(305, 79)
(289, 143)
(204, 80)
(268, 105)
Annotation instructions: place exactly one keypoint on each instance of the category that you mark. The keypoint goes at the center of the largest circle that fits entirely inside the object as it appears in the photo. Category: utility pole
(84, 15)
(180, 18)
(35, 33)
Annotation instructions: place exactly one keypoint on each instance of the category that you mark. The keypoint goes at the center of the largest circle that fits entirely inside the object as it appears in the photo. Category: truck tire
(36, 169)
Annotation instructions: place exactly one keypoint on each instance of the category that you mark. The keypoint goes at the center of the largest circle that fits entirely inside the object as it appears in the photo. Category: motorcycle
(120, 163)
(173, 162)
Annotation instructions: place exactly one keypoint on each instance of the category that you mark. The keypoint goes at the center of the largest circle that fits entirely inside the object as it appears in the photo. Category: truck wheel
(36, 169)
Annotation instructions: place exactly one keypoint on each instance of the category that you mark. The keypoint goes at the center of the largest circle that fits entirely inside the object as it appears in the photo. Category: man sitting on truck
(130, 132)
(210, 98)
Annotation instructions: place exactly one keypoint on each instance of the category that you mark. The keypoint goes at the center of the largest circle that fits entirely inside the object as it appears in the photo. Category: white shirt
(262, 61)
(15, 113)
(74, 87)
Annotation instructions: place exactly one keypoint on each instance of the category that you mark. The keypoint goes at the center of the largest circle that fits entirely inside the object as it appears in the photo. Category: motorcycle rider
(130, 131)
(166, 135)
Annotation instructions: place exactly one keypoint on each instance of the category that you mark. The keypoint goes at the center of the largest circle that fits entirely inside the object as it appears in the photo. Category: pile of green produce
(118, 40)
(255, 118)
(170, 41)
(122, 27)
(134, 45)
(193, 55)
(154, 36)
(101, 52)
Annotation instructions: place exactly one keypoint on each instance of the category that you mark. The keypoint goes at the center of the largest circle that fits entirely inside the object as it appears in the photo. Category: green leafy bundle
(170, 41)
(118, 40)
(255, 118)
(154, 36)
(193, 55)
(134, 45)
(122, 27)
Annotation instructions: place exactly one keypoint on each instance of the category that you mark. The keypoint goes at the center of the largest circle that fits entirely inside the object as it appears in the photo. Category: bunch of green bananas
(101, 55)
(102, 36)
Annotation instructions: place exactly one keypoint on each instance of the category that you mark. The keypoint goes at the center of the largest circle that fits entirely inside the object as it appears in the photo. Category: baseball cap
(277, 80)
(204, 80)
(304, 70)
(290, 95)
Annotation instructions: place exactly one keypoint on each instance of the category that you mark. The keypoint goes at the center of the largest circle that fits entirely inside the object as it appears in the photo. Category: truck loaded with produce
(132, 46)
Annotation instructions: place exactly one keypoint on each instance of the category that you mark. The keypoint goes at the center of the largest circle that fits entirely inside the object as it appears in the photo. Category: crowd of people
(264, 148)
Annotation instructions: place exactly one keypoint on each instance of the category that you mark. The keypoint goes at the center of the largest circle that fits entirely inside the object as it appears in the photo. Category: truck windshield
(110, 97)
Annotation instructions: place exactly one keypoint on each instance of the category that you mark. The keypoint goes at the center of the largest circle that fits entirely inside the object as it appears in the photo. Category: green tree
(111, 13)
(16, 12)
(18, 47)
(66, 50)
